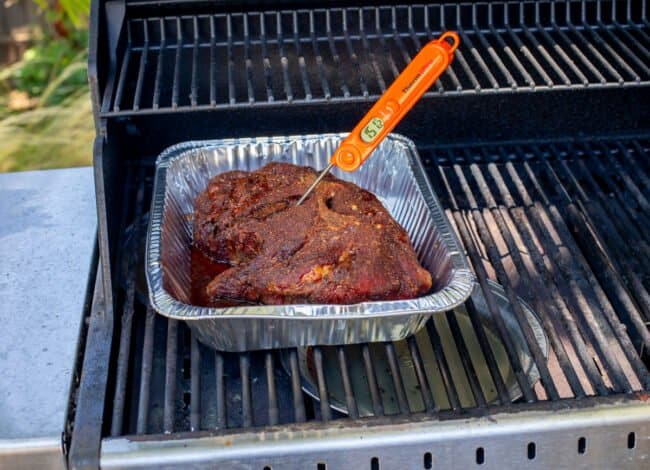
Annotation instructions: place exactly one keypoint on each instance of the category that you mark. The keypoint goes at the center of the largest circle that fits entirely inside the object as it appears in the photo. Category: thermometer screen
(372, 130)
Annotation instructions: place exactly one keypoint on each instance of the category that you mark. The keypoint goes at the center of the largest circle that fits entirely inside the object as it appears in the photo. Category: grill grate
(330, 55)
(563, 225)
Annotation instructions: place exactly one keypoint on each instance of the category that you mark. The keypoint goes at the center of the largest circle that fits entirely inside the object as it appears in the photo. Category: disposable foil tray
(394, 174)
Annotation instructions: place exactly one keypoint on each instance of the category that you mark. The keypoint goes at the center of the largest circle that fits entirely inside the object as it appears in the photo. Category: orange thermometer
(388, 111)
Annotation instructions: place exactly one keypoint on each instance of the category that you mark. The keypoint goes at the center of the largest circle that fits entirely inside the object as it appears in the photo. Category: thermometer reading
(372, 130)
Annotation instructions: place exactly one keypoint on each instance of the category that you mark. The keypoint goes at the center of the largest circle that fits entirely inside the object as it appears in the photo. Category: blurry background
(45, 113)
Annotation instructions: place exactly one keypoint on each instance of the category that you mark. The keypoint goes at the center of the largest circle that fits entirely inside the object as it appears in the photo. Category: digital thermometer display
(372, 130)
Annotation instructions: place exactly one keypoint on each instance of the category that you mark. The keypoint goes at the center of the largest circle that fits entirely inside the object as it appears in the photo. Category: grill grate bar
(122, 79)
(298, 402)
(504, 336)
(326, 414)
(563, 55)
(628, 182)
(231, 61)
(465, 358)
(123, 360)
(170, 375)
(213, 63)
(545, 54)
(371, 56)
(246, 399)
(195, 63)
(394, 69)
(266, 61)
(443, 366)
(635, 41)
(522, 47)
(603, 62)
(488, 354)
(177, 64)
(274, 412)
(195, 385)
(396, 375)
(159, 68)
(626, 216)
(318, 57)
(353, 55)
(301, 59)
(145, 375)
(221, 390)
(423, 382)
(641, 161)
(350, 400)
(284, 61)
(141, 68)
(377, 405)
(580, 55)
(248, 61)
(508, 51)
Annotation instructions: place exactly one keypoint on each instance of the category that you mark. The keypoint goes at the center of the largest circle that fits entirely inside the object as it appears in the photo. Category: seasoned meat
(340, 246)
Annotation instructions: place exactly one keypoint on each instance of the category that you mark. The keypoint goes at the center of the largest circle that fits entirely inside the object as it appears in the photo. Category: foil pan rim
(456, 292)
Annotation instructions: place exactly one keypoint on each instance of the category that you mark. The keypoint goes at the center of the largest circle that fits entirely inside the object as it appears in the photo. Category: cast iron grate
(563, 225)
(226, 61)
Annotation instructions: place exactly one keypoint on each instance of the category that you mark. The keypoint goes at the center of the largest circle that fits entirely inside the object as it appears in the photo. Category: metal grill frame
(613, 435)
(502, 433)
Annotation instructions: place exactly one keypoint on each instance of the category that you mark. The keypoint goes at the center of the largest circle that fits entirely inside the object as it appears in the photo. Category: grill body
(536, 141)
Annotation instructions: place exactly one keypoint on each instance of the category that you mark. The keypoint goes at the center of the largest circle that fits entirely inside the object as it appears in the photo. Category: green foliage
(49, 137)
(45, 112)
(75, 11)
(54, 69)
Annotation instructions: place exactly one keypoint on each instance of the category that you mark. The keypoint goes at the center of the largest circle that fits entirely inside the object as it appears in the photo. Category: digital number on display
(371, 131)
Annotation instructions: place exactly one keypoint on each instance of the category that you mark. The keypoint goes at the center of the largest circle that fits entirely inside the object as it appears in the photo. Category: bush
(52, 71)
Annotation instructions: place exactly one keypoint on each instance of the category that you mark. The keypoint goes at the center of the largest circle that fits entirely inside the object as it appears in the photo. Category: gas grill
(537, 142)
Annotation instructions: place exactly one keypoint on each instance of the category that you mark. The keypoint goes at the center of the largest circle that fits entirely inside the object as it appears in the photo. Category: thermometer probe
(388, 111)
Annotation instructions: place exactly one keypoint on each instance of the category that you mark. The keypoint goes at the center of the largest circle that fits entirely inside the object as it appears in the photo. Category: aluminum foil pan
(394, 174)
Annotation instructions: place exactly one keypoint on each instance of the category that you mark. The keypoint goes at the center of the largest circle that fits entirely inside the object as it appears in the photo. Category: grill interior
(536, 141)
(562, 225)
(178, 63)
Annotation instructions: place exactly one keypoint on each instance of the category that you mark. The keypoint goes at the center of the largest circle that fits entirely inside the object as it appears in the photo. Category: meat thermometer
(388, 111)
